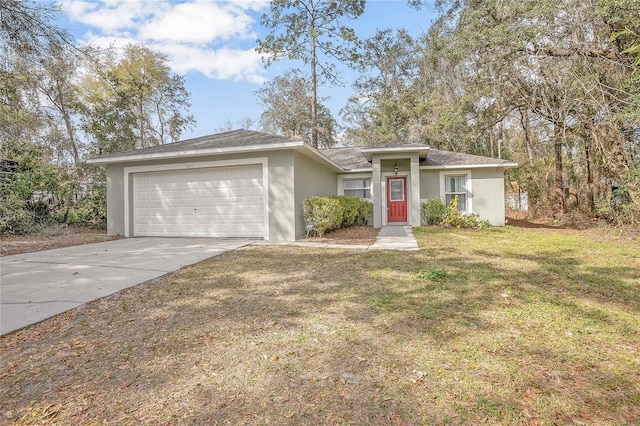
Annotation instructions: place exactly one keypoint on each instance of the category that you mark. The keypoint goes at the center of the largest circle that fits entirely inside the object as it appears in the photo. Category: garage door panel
(142, 212)
(239, 192)
(176, 177)
(217, 202)
(205, 194)
(254, 192)
(254, 210)
(162, 194)
(243, 183)
(255, 201)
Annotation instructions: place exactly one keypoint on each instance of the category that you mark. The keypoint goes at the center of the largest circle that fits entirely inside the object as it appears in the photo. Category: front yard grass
(496, 326)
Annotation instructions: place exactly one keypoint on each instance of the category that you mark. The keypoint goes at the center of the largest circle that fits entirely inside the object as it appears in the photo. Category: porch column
(377, 192)
(414, 216)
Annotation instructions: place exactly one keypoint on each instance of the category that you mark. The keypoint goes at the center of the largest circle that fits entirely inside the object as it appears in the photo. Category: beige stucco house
(251, 185)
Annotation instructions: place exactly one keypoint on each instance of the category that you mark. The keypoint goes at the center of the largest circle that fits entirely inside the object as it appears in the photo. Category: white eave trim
(470, 166)
(195, 153)
(370, 171)
(370, 152)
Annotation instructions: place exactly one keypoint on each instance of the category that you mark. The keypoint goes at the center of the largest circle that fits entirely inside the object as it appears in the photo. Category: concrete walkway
(389, 238)
(395, 238)
(36, 286)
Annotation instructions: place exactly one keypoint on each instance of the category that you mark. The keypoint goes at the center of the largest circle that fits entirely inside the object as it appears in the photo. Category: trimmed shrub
(324, 213)
(365, 209)
(336, 211)
(350, 207)
(433, 211)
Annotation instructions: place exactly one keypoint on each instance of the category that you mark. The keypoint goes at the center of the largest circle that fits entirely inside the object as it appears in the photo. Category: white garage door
(217, 202)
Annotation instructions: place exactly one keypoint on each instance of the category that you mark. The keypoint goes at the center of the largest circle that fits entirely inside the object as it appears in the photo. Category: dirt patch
(361, 235)
(567, 222)
(53, 237)
(594, 228)
(563, 228)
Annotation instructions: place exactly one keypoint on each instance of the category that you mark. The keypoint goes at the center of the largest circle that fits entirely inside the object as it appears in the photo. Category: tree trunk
(314, 80)
(68, 126)
(524, 120)
(591, 203)
(559, 187)
(491, 143)
(140, 113)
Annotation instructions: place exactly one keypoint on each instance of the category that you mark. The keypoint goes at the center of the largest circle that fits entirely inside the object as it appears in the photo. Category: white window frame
(342, 179)
(467, 174)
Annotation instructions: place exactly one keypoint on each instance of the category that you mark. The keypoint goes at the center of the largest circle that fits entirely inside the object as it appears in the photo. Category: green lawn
(496, 326)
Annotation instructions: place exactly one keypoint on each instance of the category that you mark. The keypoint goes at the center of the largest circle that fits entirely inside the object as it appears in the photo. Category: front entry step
(395, 238)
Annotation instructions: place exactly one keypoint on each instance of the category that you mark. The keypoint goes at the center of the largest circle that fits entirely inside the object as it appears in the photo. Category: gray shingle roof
(232, 139)
(437, 158)
(347, 158)
(353, 158)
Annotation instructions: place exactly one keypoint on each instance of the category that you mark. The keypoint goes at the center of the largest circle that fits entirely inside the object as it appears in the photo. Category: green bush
(15, 217)
(365, 209)
(324, 213)
(622, 208)
(457, 219)
(93, 207)
(349, 205)
(433, 211)
(336, 211)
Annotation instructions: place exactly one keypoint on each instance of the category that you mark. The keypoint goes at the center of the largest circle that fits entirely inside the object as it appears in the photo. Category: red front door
(397, 199)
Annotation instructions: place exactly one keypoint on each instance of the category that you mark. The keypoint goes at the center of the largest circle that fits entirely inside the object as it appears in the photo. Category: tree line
(552, 85)
(61, 103)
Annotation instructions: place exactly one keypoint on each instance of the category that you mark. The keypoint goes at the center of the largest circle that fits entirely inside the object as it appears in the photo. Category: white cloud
(215, 38)
(109, 16)
(198, 22)
(223, 63)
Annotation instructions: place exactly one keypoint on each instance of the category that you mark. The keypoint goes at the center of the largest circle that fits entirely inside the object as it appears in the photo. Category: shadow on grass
(293, 335)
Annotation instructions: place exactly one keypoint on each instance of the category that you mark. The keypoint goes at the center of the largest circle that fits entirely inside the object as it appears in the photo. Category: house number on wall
(189, 165)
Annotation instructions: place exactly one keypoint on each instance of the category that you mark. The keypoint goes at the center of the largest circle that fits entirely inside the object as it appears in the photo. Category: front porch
(396, 183)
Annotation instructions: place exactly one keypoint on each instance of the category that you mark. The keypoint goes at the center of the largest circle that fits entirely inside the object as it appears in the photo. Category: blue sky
(212, 43)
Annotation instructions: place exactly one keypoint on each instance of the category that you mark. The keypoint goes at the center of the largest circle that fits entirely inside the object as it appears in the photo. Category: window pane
(447, 199)
(354, 183)
(396, 187)
(449, 183)
(361, 193)
(462, 202)
(456, 185)
(357, 187)
(461, 184)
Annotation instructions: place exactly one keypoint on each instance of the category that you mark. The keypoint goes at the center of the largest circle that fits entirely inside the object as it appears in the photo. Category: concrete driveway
(36, 286)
